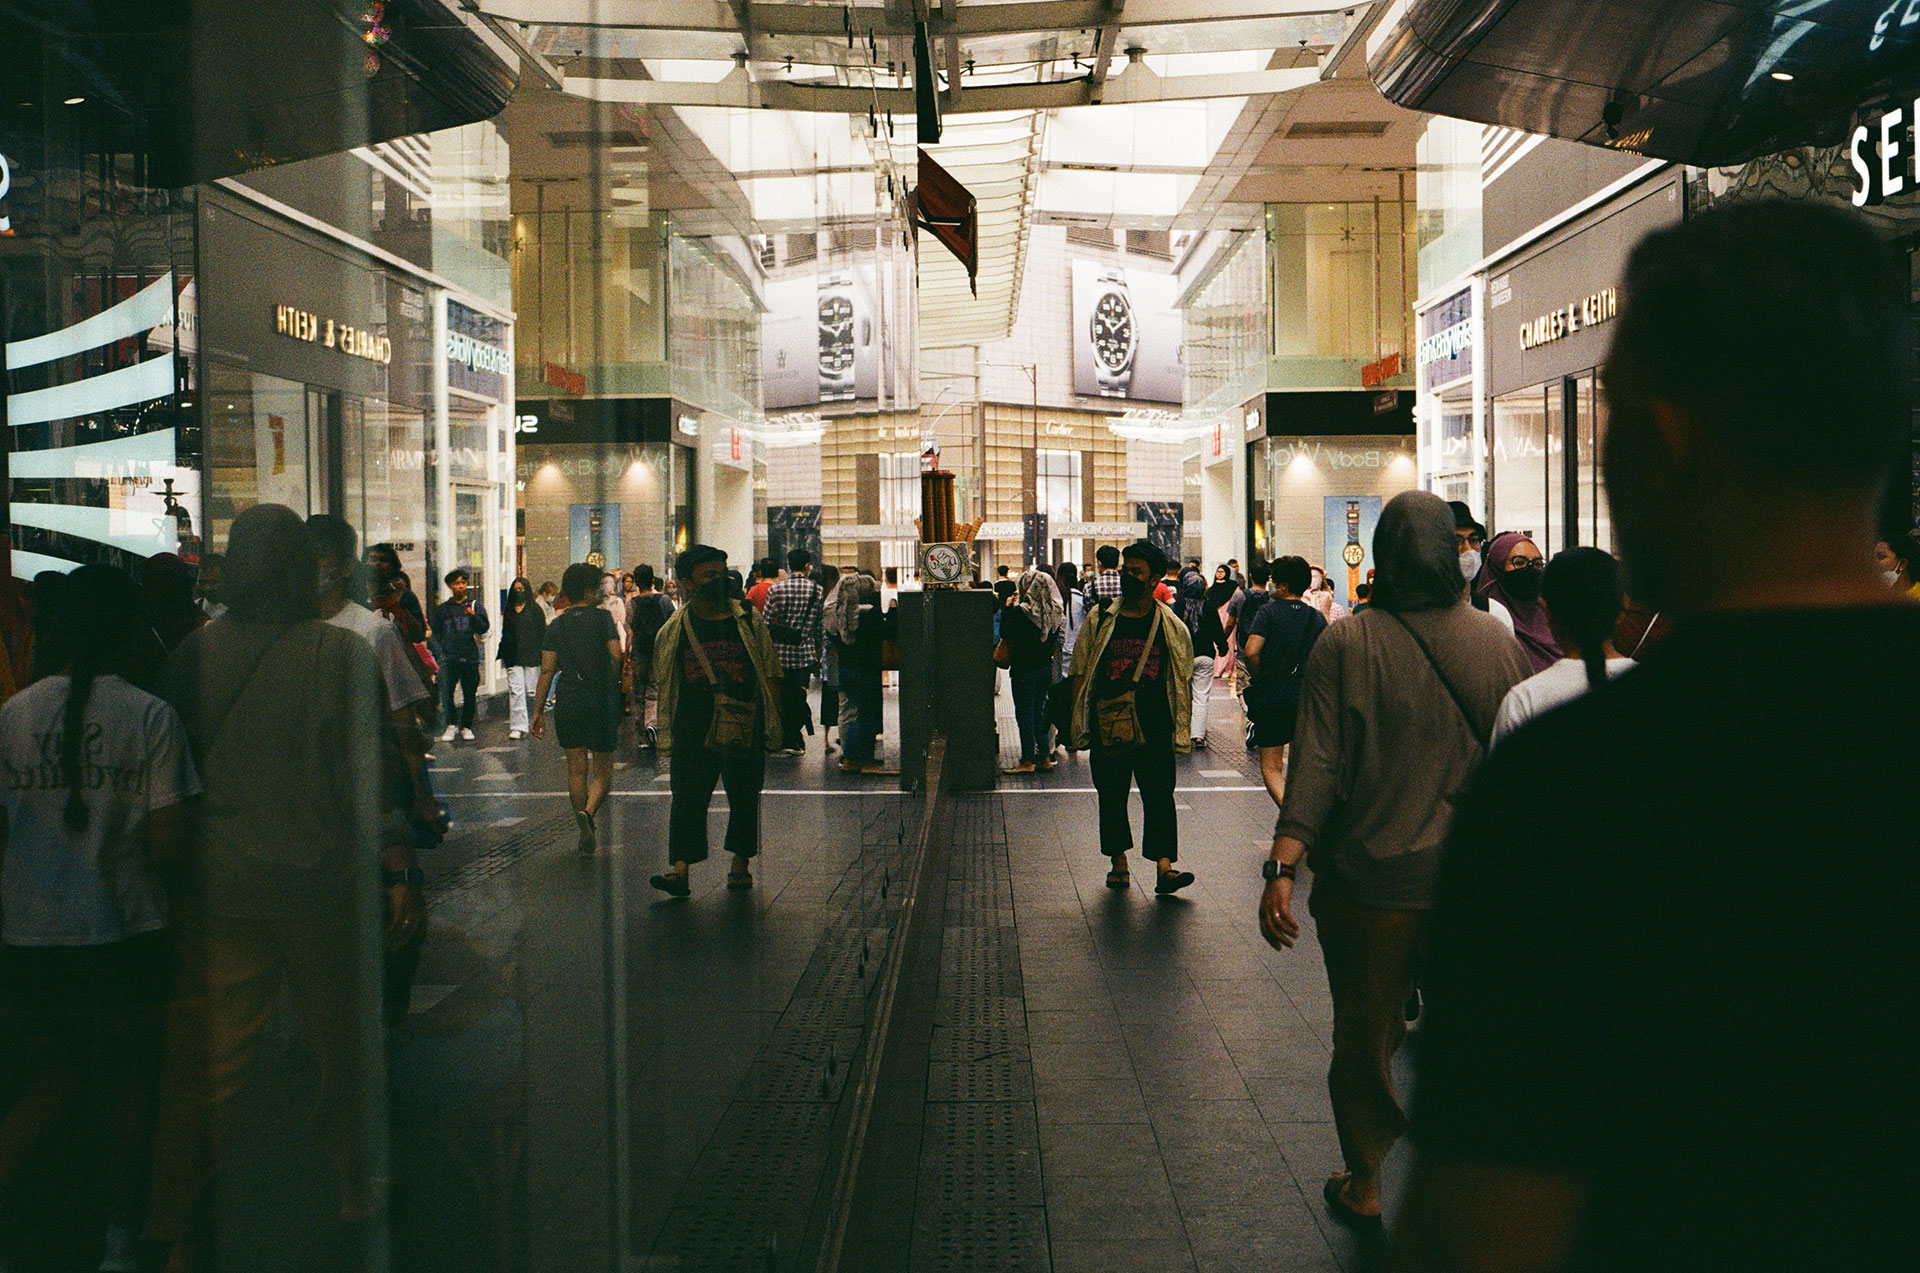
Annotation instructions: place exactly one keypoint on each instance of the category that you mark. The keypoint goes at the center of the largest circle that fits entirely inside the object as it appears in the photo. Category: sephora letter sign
(1881, 152)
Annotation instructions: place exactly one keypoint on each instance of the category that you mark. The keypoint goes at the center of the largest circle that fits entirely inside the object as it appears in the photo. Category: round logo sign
(945, 563)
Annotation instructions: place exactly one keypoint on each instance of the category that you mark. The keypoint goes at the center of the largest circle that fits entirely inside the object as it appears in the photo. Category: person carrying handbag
(719, 717)
(1132, 702)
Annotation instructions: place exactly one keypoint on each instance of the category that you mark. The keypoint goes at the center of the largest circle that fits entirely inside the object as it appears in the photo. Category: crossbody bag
(1118, 718)
(730, 731)
(1482, 736)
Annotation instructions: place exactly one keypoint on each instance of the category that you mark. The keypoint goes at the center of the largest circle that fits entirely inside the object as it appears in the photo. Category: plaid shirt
(1104, 586)
(794, 603)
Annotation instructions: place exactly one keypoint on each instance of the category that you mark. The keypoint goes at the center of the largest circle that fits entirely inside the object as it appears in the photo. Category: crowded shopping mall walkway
(1114, 1081)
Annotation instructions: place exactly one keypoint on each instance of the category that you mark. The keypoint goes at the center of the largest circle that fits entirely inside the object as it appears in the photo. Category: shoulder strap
(219, 723)
(699, 653)
(1483, 736)
(1153, 634)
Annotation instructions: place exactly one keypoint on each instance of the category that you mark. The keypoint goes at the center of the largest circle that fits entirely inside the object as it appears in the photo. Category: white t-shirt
(65, 888)
(1544, 691)
(403, 684)
(1500, 612)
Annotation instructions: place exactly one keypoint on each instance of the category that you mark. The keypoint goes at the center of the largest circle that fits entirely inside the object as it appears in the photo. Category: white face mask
(1892, 577)
(1470, 564)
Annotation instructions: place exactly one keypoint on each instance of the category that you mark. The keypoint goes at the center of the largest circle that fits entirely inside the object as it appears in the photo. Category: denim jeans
(1030, 686)
(861, 688)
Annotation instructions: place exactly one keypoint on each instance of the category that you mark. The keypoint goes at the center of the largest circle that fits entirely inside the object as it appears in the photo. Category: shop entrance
(1546, 472)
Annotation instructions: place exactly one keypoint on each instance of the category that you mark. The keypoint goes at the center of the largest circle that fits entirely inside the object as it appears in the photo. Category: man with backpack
(1282, 635)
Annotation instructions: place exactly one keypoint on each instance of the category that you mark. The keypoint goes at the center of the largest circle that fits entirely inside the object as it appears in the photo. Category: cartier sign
(1588, 311)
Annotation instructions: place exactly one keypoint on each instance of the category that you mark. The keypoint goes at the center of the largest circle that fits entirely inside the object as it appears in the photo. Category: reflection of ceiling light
(75, 101)
(1785, 77)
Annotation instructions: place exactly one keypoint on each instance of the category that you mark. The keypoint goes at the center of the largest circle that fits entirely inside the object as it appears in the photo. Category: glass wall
(589, 295)
(1344, 280)
(714, 326)
(1533, 430)
(1448, 197)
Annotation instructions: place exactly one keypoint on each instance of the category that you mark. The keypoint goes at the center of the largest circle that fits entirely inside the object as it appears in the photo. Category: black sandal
(673, 884)
(1119, 879)
(737, 880)
(1172, 882)
(1338, 1208)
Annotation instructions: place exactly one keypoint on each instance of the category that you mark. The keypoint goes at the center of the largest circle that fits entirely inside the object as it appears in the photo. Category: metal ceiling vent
(1314, 129)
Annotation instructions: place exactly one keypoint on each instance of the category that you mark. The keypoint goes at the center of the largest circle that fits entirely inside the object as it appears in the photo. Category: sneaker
(450, 735)
(589, 842)
(122, 1251)
(514, 735)
(466, 735)
(653, 736)
(793, 751)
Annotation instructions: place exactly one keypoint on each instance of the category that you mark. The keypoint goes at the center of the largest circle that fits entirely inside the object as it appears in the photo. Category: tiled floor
(593, 1078)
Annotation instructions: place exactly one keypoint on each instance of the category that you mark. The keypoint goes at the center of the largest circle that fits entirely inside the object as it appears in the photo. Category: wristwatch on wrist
(836, 338)
(412, 875)
(1271, 870)
(1114, 335)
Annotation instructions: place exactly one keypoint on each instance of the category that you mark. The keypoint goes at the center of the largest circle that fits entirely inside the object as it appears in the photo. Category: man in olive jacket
(1132, 710)
(713, 654)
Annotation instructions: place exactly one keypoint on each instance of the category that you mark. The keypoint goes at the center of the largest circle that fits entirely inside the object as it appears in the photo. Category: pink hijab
(1529, 617)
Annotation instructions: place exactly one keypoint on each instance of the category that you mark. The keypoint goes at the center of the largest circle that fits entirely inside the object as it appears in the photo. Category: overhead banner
(1126, 333)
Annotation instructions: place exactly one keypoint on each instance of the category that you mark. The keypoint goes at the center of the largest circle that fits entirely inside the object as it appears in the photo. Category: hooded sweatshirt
(1382, 748)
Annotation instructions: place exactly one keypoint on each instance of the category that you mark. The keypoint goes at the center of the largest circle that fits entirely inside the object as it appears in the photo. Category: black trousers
(692, 771)
(793, 706)
(1114, 775)
(467, 677)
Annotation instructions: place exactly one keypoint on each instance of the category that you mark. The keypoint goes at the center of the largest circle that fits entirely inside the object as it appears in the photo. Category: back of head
(98, 606)
(581, 583)
(643, 577)
(1258, 574)
(271, 567)
(798, 559)
(1776, 335)
(1293, 574)
(1068, 576)
(1583, 593)
(1419, 564)
(1107, 557)
(335, 539)
(49, 623)
(826, 575)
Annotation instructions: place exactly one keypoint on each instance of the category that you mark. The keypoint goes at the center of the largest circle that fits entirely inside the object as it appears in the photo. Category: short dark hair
(1757, 319)
(1258, 574)
(1001, 570)
(698, 555)
(334, 536)
(455, 573)
(1362, 592)
(1293, 574)
(1106, 556)
(580, 581)
(798, 559)
(643, 576)
(1583, 592)
(1148, 551)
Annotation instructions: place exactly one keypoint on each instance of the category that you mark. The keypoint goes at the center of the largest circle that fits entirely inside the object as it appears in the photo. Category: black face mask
(1523, 583)
(1132, 587)
(714, 591)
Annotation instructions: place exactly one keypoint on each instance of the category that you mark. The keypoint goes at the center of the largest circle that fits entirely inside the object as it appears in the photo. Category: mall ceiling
(750, 118)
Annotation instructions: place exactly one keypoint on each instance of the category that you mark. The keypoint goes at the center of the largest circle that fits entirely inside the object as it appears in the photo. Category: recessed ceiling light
(1783, 76)
(75, 101)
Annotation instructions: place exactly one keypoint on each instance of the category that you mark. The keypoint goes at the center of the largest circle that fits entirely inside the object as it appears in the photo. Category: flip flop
(1172, 882)
(1337, 1206)
(672, 884)
(1119, 879)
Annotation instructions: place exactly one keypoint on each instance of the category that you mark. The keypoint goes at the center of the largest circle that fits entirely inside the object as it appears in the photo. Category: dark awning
(210, 88)
(1707, 82)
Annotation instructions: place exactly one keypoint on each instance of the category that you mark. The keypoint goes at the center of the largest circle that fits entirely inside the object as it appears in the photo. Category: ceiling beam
(1139, 84)
(1103, 52)
(773, 18)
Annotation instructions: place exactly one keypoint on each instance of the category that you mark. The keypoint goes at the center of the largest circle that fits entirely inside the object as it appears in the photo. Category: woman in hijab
(828, 577)
(1512, 577)
(861, 627)
(1396, 706)
(1032, 627)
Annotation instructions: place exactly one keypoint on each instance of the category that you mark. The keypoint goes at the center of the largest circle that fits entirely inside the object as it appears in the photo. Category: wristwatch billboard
(836, 337)
(1113, 333)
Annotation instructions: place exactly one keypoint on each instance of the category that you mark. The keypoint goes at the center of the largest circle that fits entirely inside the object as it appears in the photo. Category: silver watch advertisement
(1126, 333)
(820, 338)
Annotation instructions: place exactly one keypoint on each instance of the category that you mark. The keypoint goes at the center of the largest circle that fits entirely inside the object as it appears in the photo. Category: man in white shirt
(1581, 591)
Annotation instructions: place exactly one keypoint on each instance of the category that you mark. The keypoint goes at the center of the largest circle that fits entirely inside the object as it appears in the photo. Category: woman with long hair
(1581, 591)
(100, 770)
(523, 633)
(1032, 628)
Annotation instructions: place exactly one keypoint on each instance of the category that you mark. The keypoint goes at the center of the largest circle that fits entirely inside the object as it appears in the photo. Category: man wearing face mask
(1517, 567)
(1470, 537)
(718, 674)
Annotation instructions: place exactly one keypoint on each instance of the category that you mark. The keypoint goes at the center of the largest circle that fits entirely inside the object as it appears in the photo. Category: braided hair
(1583, 593)
(99, 606)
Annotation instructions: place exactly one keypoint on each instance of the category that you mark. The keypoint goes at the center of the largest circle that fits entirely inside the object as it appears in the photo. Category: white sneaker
(450, 735)
(122, 1251)
(466, 735)
(514, 735)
